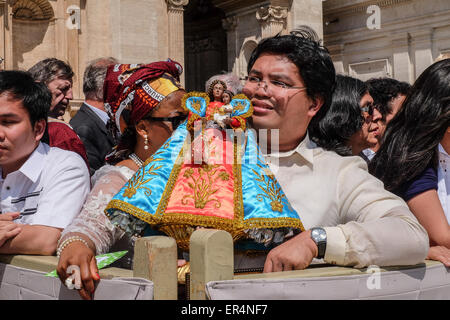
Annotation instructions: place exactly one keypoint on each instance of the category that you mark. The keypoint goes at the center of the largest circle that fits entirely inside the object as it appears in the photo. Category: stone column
(423, 55)
(337, 55)
(401, 60)
(2, 33)
(72, 13)
(273, 19)
(175, 9)
(6, 35)
(230, 24)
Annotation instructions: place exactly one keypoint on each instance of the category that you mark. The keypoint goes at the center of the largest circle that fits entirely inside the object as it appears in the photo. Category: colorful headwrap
(131, 91)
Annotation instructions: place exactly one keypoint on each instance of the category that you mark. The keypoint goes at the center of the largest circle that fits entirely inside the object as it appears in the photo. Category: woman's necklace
(136, 160)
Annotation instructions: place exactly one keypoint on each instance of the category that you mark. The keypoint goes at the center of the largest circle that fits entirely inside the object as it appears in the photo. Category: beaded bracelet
(67, 241)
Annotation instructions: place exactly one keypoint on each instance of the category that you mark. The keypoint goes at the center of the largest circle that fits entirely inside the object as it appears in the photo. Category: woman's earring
(145, 142)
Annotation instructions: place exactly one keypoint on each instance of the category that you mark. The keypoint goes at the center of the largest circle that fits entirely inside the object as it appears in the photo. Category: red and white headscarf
(138, 88)
(132, 91)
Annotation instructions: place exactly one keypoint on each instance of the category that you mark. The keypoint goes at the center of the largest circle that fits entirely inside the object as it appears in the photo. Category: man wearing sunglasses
(348, 216)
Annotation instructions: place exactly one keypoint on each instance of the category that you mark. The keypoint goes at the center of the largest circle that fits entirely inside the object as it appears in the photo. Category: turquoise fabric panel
(156, 174)
(260, 190)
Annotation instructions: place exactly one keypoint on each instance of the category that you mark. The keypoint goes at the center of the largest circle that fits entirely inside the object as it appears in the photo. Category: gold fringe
(250, 110)
(182, 271)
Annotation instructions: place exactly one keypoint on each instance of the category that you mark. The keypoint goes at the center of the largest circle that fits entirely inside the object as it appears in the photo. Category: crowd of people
(364, 164)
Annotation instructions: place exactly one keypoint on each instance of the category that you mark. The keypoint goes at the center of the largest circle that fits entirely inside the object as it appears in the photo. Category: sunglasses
(368, 109)
(175, 121)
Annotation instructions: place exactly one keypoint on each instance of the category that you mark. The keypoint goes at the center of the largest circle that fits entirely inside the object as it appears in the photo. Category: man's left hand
(295, 254)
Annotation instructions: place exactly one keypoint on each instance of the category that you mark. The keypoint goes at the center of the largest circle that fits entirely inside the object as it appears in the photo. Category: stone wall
(412, 34)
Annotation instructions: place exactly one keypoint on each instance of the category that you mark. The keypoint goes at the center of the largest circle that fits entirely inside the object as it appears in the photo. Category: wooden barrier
(211, 258)
(212, 261)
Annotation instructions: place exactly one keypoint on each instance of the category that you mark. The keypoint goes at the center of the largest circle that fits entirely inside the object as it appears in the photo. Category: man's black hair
(311, 58)
(35, 97)
(384, 90)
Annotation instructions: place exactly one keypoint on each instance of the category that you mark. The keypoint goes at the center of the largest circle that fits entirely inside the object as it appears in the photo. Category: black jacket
(96, 139)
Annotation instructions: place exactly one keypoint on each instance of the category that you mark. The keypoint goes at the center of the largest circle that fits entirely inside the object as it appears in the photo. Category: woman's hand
(78, 254)
(439, 253)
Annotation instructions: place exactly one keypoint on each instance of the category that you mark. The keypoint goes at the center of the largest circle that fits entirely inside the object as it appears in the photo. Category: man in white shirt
(41, 188)
(350, 218)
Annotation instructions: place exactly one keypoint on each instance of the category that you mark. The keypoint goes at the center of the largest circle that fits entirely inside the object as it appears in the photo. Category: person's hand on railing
(439, 253)
(294, 254)
(79, 254)
(8, 229)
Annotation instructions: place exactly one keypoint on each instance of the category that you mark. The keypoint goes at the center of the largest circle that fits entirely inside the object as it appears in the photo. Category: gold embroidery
(137, 181)
(197, 106)
(239, 107)
(250, 109)
(271, 190)
(202, 185)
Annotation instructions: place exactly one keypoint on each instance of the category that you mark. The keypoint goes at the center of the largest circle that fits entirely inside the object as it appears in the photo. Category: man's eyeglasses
(176, 121)
(273, 84)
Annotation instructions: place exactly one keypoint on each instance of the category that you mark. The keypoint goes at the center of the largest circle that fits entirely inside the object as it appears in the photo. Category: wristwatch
(319, 236)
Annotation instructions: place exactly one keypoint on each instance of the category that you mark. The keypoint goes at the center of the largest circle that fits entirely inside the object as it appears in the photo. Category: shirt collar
(102, 114)
(305, 149)
(32, 168)
(442, 150)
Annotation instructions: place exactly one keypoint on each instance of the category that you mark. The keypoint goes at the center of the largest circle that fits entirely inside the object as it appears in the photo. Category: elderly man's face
(288, 109)
(61, 90)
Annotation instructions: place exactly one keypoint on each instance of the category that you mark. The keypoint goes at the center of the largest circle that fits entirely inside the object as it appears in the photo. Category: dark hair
(411, 141)
(343, 119)
(35, 97)
(311, 58)
(384, 90)
(50, 69)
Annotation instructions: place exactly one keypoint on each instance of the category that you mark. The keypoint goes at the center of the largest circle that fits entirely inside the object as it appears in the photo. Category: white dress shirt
(369, 153)
(365, 224)
(49, 189)
(444, 181)
(101, 114)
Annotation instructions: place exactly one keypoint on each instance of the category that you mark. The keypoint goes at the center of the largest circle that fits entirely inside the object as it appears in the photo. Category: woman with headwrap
(144, 103)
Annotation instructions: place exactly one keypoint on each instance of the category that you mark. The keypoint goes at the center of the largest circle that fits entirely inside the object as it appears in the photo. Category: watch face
(319, 234)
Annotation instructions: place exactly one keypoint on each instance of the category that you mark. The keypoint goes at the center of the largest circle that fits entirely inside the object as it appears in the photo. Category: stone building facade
(409, 36)
(206, 36)
(213, 36)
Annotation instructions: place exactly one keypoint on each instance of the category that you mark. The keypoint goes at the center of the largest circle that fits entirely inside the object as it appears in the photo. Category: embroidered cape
(206, 176)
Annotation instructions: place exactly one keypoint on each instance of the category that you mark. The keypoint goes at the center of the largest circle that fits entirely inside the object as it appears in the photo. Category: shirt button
(8, 187)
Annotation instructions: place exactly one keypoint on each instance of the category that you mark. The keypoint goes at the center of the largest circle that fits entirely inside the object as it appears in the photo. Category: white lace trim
(92, 221)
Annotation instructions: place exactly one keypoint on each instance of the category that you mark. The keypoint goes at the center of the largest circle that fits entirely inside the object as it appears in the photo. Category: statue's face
(226, 98)
(218, 91)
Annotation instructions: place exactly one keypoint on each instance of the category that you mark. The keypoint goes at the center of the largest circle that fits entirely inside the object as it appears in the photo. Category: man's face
(18, 138)
(61, 90)
(275, 107)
